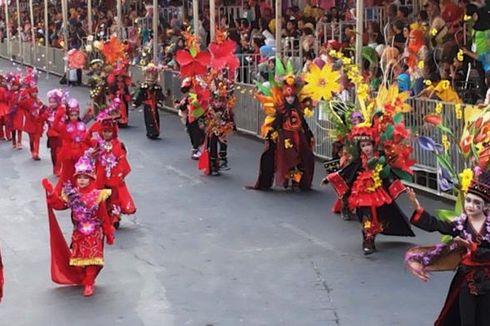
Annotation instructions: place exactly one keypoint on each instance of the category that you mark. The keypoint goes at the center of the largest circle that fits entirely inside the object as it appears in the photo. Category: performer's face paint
(474, 205)
(366, 147)
(83, 181)
(290, 99)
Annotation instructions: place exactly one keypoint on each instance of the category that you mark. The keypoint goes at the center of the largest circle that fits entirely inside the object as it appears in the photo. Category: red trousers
(34, 141)
(91, 272)
(54, 144)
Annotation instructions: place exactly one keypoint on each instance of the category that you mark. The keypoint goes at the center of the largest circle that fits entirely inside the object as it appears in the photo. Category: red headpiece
(360, 133)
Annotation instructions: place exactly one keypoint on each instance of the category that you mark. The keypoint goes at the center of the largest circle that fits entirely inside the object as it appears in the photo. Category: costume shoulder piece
(104, 194)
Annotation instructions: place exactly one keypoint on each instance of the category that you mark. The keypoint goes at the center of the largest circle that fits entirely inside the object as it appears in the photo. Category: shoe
(116, 225)
(215, 173)
(368, 246)
(18, 146)
(223, 165)
(88, 290)
(196, 154)
(36, 157)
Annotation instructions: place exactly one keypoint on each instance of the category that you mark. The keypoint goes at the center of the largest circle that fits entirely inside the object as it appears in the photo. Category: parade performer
(73, 133)
(468, 300)
(288, 154)
(56, 107)
(91, 225)
(150, 94)
(466, 242)
(36, 114)
(188, 109)
(111, 168)
(5, 132)
(119, 82)
(380, 159)
(219, 123)
(98, 84)
(16, 114)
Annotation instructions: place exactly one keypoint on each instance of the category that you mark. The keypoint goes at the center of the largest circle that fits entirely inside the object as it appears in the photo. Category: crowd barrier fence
(249, 115)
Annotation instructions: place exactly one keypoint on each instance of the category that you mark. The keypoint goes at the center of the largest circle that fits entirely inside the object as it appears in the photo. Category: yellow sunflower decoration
(321, 83)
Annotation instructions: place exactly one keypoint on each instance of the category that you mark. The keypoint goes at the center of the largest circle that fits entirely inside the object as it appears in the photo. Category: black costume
(151, 96)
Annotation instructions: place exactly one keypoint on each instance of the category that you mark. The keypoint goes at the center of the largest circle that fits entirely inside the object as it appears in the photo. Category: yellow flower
(460, 55)
(433, 32)
(308, 113)
(438, 108)
(321, 83)
(458, 111)
(346, 61)
(445, 142)
(445, 84)
(367, 224)
(465, 178)
(362, 91)
(376, 178)
(421, 64)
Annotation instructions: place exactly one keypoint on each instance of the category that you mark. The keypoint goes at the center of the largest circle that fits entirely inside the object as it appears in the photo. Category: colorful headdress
(85, 166)
(480, 186)
(30, 79)
(73, 105)
(360, 133)
(57, 95)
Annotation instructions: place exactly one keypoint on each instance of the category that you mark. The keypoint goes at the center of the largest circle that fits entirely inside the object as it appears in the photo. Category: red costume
(4, 110)
(112, 167)
(36, 115)
(73, 135)
(91, 224)
(56, 98)
(16, 114)
(119, 83)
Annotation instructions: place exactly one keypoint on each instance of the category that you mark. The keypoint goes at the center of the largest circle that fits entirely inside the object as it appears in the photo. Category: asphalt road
(205, 251)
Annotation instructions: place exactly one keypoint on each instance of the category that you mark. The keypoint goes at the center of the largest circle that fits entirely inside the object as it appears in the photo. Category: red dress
(4, 101)
(90, 223)
(36, 115)
(17, 115)
(111, 168)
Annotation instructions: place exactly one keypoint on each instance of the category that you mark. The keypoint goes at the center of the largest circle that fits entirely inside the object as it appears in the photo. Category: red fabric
(203, 163)
(338, 183)
(60, 112)
(337, 206)
(4, 101)
(396, 188)
(190, 66)
(61, 271)
(416, 215)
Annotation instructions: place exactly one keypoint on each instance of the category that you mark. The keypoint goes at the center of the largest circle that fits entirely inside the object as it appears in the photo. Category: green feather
(263, 89)
(279, 68)
(289, 68)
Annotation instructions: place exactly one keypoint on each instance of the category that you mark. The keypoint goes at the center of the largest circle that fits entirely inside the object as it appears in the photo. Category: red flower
(433, 119)
(223, 56)
(190, 66)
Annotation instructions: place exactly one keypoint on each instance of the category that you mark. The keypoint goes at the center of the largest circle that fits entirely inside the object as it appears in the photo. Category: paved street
(205, 251)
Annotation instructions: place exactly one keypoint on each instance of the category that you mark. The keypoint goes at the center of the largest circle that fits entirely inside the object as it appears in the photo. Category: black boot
(368, 246)
(223, 161)
(214, 167)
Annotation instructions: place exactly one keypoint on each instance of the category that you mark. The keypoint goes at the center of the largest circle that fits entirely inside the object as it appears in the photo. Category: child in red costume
(56, 106)
(73, 133)
(119, 83)
(112, 167)
(36, 114)
(5, 132)
(16, 114)
(91, 225)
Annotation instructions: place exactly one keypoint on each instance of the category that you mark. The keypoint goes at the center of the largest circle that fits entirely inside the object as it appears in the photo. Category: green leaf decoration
(289, 68)
(385, 173)
(446, 215)
(263, 89)
(398, 118)
(405, 176)
(474, 151)
(388, 134)
(197, 112)
(280, 67)
(445, 129)
(444, 163)
(193, 52)
(458, 206)
(446, 239)
(382, 160)
(372, 163)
